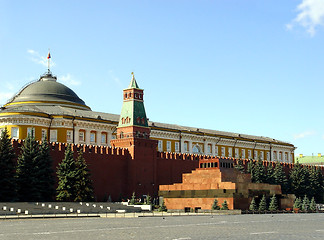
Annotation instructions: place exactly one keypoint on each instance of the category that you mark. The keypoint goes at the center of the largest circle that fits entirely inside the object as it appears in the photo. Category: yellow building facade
(49, 109)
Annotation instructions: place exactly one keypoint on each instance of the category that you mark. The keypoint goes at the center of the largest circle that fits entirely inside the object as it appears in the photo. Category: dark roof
(47, 90)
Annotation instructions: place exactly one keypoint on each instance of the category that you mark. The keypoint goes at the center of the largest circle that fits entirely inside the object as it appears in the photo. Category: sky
(243, 66)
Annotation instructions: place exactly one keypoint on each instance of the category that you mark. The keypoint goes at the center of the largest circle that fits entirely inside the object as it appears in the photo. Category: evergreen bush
(297, 203)
(27, 173)
(224, 205)
(162, 207)
(253, 205)
(263, 204)
(312, 205)
(133, 199)
(215, 205)
(305, 204)
(7, 169)
(273, 205)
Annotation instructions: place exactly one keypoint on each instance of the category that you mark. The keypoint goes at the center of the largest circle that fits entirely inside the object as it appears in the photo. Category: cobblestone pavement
(277, 226)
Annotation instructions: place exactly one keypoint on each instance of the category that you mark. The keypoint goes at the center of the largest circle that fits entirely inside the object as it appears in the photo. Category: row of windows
(69, 135)
(238, 153)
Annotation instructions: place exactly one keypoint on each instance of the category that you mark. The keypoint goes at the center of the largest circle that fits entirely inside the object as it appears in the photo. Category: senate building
(49, 109)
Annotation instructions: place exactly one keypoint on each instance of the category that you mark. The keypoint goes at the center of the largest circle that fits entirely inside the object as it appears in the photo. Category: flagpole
(48, 61)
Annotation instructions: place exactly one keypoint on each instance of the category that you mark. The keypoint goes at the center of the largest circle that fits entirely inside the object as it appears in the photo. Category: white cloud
(5, 96)
(310, 16)
(69, 80)
(39, 59)
(304, 134)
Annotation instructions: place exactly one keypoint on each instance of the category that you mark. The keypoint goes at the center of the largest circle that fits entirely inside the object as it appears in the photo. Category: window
(31, 131)
(243, 153)
(81, 136)
(53, 135)
(69, 135)
(160, 145)
(176, 147)
(15, 132)
(256, 154)
(274, 155)
(249, 154)
(44, 134)
(168, 146)
(280, 156)
(216, 150)
(186, 146)
(286, 157)
(196, 149)
(237, 155)
(230, 152)
(104, 138)
(92, 137)
(262, 155)
(268, 156)
(209, 149)
(223, 151)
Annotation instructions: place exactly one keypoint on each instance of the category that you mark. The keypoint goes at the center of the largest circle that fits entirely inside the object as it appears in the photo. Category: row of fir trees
(301, 180)
(31, 177)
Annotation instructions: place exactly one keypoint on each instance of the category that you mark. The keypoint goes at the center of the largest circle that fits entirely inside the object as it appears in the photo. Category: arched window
(196, 149)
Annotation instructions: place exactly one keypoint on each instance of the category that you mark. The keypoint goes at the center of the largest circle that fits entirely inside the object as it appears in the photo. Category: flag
(48, 56)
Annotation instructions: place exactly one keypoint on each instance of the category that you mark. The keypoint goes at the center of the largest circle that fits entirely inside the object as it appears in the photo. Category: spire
(133, 83)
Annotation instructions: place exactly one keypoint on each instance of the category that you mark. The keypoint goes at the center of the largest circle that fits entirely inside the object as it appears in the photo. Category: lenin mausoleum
(126, 153)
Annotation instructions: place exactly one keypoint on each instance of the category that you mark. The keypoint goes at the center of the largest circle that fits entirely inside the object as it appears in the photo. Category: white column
(190, 147)
(98, 137)
(206, 148)
(76, 135)
(182, 150)
(109, 137)
(87, 136)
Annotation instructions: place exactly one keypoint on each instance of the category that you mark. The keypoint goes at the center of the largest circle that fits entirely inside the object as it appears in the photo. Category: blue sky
(244, 66)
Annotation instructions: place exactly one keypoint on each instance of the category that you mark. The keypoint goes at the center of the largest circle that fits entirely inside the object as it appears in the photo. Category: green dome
(47, 91)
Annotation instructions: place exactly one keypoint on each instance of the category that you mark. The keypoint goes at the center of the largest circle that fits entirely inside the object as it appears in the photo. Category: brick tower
(133, 133)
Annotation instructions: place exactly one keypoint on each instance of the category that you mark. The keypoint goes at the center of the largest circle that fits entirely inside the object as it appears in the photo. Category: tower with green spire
(133, 121)
(133, 133)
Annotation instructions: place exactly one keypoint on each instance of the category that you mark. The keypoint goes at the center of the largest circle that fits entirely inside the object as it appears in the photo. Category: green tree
(215, 205)
(66, 173)
(273, 205)
(297, 203)
(148, 199)
(270, 173)
(316, 183)
(263, 204)
(299, 179)
(312, 205)
(7, 169)
(224, 205)
(253, 205)
(305, 204)
(162, 207)
(259, 175)
(84, 188)
(133, 199)
(44, 173)
(239, 166)
(250, 169)
(27, 171)
(280, 178)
